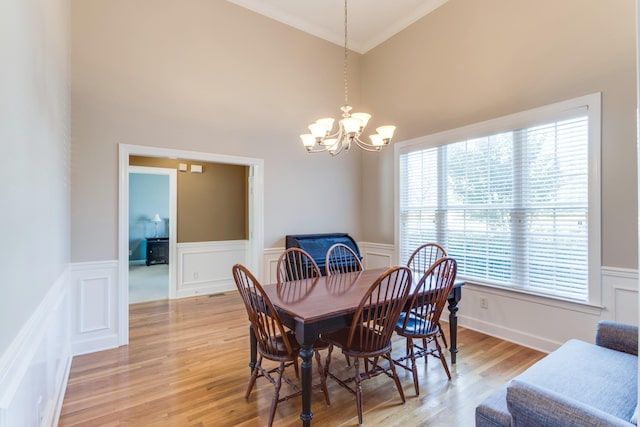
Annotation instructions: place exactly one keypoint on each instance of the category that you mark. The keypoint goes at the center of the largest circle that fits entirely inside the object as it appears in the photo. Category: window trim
(521, 120)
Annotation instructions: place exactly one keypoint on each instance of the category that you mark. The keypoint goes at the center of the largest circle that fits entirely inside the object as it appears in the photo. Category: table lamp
(156, 219)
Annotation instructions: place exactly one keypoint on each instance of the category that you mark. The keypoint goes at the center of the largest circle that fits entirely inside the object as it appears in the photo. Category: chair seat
(340, 338)
(416, 326)
(281, 353)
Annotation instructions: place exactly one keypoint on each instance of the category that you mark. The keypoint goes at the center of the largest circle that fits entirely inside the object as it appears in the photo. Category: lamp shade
(157, 218)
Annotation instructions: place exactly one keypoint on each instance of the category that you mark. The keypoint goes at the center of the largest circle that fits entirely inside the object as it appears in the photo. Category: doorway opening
(255, 195)
(152, 213)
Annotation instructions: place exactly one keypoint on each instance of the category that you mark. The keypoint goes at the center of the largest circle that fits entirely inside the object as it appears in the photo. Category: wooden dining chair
(369, 335)
(425, 255)
(296, 264)
(273, 342)
(421, 321)
(342, 259)
(420, 260)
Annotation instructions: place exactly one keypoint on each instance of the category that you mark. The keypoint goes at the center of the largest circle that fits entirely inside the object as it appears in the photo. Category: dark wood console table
(157, 250)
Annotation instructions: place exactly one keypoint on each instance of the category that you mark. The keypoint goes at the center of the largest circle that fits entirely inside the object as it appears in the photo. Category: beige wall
(212, 205)
(212, 77)
(472, 60)
(34, 147)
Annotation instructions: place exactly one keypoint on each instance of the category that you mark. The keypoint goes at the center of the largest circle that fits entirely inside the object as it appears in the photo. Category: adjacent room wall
(205, 76)
(212, 205)
(471, 61)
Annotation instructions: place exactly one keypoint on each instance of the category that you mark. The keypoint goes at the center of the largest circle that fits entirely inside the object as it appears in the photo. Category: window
(516, 200)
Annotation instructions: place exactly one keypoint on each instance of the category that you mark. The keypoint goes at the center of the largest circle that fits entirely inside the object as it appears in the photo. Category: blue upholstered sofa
(579, 384)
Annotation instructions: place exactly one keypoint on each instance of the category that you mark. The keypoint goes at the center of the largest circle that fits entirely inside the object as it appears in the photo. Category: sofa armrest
(533, 406)
(617, 336)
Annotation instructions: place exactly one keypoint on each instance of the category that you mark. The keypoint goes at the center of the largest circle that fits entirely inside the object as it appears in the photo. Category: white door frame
(256, 214)
(173, 209)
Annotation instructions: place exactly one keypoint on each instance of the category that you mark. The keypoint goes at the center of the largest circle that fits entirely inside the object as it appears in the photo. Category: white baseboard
(35, 367)
(508, 334)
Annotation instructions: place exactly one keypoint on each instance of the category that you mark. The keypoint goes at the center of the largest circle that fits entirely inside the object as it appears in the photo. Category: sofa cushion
(532, 406)
(595, 376)
(493, 411)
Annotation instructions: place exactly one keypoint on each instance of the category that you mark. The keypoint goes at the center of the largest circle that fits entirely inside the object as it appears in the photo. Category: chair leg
(395, 376)
(346, 357)
(444, 339)
(442, 358)
(276, 394)
(414, 369)
(323, 378)
(327, 361)
(254, 375)
(356, 365)
(296, 368)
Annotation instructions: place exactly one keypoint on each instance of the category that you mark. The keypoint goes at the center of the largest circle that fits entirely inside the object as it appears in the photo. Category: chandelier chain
(346, 86)
(350, 127)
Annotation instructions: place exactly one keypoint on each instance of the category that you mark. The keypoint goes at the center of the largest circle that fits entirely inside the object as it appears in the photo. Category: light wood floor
(186, 365)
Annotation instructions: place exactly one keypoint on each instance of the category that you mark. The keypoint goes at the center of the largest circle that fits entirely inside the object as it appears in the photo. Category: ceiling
(370, 22)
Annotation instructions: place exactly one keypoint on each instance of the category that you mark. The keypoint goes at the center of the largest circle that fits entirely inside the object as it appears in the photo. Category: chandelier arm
(366, 146)
(333, 135)
(318, 148)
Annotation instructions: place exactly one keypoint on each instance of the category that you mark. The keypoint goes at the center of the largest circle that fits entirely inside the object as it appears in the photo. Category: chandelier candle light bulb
(350, 127)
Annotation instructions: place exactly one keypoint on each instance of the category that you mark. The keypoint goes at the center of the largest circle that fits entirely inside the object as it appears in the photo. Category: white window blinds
(511, 207)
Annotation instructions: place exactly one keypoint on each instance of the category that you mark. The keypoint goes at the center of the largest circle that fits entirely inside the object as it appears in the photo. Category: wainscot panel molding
(377, 255)
(545, 323)
(205, 267)
(94, 302)
(270, 264)
(35, 368)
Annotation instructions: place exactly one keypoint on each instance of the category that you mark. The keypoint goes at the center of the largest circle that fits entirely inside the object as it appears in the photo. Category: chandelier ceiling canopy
(350, 127)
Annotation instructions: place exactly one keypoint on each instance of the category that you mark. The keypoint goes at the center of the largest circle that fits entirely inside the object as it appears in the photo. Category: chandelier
(350, 127)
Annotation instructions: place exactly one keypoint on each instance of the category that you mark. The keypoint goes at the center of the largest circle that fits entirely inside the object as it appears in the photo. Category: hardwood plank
(187, 365)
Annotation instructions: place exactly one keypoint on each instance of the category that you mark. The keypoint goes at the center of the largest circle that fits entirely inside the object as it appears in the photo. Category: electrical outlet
(195, 275)
(484, 303)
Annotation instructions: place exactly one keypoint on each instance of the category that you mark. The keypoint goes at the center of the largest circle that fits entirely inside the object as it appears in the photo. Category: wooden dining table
(314, 306)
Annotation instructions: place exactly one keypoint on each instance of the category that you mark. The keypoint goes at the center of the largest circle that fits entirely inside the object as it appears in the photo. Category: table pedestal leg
(454, 298)
(306, 353)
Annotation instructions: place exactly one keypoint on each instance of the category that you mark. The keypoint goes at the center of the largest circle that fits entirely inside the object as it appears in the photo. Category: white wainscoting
(35, 367)
(205, 267)
(269, 264)
(377, 255)
(94, 302)
(544, 323)
(374, 255)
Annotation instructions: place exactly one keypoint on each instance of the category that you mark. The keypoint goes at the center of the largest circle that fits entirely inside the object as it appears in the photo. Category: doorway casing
(256, 215)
